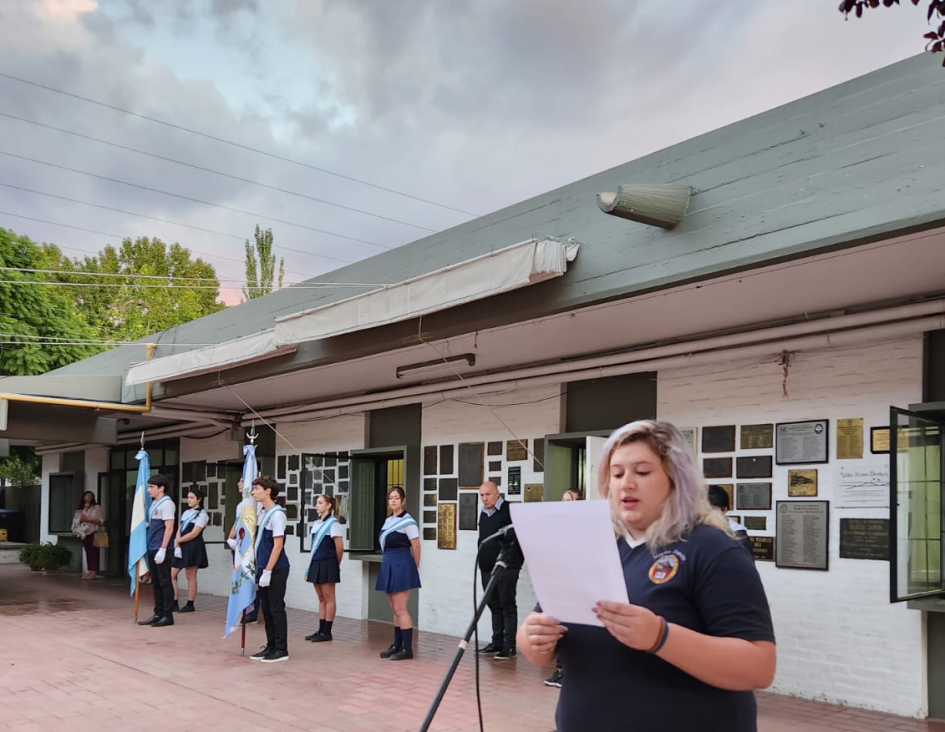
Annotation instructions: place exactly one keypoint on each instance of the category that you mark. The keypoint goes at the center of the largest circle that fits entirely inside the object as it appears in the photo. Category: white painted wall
(839, 638)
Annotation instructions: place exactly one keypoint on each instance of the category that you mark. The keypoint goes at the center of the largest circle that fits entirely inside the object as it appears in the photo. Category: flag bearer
(272, 570)
(160, 531)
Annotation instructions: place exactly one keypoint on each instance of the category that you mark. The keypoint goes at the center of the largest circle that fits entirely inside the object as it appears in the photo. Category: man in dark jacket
(494, 516)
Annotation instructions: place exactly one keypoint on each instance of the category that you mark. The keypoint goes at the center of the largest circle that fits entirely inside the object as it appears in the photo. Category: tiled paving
(71, 659)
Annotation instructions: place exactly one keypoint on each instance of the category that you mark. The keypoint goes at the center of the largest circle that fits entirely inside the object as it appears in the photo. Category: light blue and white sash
(263, 520)
(154, 506)
(402, 522)
(320, 531)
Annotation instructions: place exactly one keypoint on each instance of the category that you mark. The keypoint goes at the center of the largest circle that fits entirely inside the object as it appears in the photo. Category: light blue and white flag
(138, 536)
(243, 581)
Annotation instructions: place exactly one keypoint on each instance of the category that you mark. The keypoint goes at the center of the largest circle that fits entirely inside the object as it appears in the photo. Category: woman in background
(86, 521)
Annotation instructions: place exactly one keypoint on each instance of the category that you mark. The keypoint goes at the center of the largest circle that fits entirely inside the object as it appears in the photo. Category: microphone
(501, 534)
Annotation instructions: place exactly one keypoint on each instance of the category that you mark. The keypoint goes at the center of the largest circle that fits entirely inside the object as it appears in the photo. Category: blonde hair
(687, 504)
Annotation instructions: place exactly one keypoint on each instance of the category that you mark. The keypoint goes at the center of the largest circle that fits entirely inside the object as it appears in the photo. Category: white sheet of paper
(572, 557)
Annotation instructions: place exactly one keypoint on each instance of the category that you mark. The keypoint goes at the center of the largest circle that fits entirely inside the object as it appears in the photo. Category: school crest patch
(664, 569)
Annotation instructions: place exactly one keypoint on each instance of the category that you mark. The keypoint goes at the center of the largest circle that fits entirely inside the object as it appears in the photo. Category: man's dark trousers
(502, 606)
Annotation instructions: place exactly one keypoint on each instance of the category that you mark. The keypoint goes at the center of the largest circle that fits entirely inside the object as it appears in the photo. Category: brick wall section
(839, 638)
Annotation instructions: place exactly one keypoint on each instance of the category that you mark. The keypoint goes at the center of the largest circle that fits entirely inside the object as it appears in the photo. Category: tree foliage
(34, 318)
(261, 266)
(21, 469)
(935, 38)
(127, 306)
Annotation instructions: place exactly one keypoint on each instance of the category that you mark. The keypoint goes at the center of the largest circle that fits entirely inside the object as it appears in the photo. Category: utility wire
(190, 198)
(57, 340)
(155, 218)
(214, 172)
(166, 286)
(235, 144)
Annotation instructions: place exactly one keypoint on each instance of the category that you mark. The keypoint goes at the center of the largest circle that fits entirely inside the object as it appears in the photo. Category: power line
(155, 218)
(168, 285)
(62, 340)
(236, 144)
(119, 236)
(191, 199)
(214, 172)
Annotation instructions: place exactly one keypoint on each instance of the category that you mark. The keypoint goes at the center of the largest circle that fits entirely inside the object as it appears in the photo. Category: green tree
(261, 266)
(127, 305)
(40, 325)
(934, 38)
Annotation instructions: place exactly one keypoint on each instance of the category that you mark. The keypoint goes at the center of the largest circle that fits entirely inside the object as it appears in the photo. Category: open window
(373, 474)
(915, 504)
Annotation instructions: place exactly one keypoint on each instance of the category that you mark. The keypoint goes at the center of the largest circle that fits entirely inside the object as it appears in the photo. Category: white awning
(224, 355)
(501, 271)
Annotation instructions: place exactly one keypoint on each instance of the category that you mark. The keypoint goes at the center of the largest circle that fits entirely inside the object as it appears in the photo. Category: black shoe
(250, 619)
(260, 655)
(188, 608)
(489, 649)
(175, 608)
(150, 620)
(402, 655)
(163, 622)
(555, 679)
(390, 651)
(320, 638)
(275, 657)
(505, 654)
(312, 636)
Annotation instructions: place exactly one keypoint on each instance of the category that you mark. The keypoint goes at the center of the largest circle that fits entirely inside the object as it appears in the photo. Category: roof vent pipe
(661, 205)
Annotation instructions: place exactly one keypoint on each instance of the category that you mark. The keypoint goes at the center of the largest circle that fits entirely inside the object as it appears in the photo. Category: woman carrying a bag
(88, 524)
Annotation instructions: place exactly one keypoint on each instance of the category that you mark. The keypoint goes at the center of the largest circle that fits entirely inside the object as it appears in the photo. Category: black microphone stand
(497, 570)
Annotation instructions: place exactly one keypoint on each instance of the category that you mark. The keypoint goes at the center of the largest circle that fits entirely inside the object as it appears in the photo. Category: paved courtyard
(71, 659)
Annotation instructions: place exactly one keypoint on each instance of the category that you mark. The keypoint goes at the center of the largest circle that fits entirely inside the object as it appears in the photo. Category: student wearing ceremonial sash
(190, 552)
(400, 565)
(160, 531)
(272, 570)
(324, 570)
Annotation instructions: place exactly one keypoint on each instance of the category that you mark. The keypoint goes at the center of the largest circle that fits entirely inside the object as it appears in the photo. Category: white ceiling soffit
(237, 352)
(501, 271)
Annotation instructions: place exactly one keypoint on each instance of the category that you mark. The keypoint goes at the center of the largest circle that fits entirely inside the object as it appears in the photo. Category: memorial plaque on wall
(863, 538)
(429, 517)
(718, 439)
(753, 496)
(495, 466)
(850, 439)
(429, 533)
(757, 436)
(446, 459)
(429, 460)
(429, 484)
(516, 450)
(429, 500)
(797, 443)
(538, 449)
(756, 466)
(802, 483)
(470, 464)
(446, 526)
(447, 489)
(534, 492)
(802, 533)
(879, 440)
(756, 523)
(717, 467)
(762, 547)
(514, 485)
(468, 511)
(493, 449)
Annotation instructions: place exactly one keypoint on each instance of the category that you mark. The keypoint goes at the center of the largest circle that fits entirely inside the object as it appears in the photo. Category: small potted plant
(29, 555)
(48, 556)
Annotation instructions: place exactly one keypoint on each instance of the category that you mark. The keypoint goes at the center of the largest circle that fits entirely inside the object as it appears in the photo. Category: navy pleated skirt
(324, 571)
(194, 555)
(398, 571)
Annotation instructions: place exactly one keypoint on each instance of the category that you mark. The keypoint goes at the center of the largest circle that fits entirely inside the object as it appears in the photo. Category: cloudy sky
(398, 111)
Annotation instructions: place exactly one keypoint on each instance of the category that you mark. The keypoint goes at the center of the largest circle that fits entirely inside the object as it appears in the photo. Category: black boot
(188, 608)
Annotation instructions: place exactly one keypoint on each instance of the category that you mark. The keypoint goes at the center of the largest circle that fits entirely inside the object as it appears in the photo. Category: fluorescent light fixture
(440, 365)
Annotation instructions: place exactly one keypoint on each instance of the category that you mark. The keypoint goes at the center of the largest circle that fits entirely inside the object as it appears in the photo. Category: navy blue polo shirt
(707, 583)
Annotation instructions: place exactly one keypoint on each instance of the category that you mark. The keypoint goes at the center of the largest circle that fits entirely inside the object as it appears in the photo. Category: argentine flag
(243, 580)
(138, 537)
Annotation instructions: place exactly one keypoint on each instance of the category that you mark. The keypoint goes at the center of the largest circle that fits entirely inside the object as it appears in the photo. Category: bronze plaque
(429, 533)
(429, 484)
(534, 492)
(429, 517)
(446, 459)
(447, 489)
(863, 538)
(717, 467)
(802, 533)
(802, 483)
(538, 449)
(446, 526)
(879, 440)
(756, 466)
(494, 448)
(763, 548)
(718, 439)
(756, 523)
(495, 466)
(757, 436)
(468, 511)
(850, 439)
(470, 464)
(429, 500)
(516, 450)
(429, 460)
(753, 497)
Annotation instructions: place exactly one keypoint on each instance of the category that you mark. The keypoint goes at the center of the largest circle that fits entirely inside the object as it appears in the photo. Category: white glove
(266, 578)
(178, 553)
(231, 543)
(159, 556)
